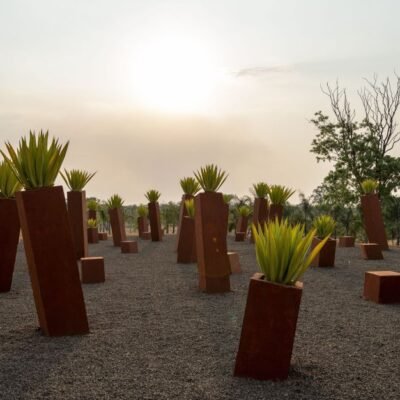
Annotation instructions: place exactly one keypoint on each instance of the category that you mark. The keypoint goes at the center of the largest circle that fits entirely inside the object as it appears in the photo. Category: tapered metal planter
(78, 221)
(182, 213)
(9, 236)
(52, 261)
(186, 252)
(260, 213)
(117, 225)
(211, 227)
(155, 222)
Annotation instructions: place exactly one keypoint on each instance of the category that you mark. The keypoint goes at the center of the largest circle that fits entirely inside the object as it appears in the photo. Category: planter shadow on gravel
(155, 336)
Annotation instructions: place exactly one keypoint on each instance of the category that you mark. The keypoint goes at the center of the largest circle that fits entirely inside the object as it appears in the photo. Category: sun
(174, 74)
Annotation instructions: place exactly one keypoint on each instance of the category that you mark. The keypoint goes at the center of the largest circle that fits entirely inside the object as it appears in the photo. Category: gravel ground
(155, 336)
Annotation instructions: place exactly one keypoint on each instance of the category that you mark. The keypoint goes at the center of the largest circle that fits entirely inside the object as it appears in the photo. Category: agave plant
(260, 190)
(9, 184)
(115, 201)
(189, 204)
(77, 179)
(152, 195)
(36, 163)
(189, 186)
(324, 225)
(92, 223)
(227, 198)
(283, 251)
(143, 211)
(369, 186)
(279, 194)
(210, 177)
(92, 204)
(244, 211)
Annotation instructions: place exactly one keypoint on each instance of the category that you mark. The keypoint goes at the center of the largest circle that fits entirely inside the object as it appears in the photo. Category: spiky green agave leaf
(77, 179)
(9, 184)
(189, 186)
(210, 177)
(152, 195)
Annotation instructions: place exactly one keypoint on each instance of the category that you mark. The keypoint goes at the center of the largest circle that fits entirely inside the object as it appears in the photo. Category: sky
(149, 91)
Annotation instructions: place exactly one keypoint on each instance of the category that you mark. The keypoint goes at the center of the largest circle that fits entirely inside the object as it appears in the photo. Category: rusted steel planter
(117, 225)
(52, 263)
(275, 212)
(212, 258)
(186, 252)
(382, 287)
(373, 221)
(143, 226)
(371, 251)
(92, 214)
(182, 213)
(77, 218)
(9, 237)
(268, 331)
(102, 235)
(93, 235)
(326, 257)
(346, 241)
(260, 213)
(92, 270)
(241, 228)
(155, 222)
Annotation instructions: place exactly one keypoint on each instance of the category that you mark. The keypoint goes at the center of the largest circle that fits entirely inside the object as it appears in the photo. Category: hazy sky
(148, 91)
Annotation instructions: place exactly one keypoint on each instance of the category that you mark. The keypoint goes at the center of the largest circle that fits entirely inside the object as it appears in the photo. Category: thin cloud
(256, 72)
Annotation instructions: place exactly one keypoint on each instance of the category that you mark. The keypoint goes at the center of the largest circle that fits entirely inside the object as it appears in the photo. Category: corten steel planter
(92, 270)
(117, 225)
(52, 263)
(9, 237)
(326, 257)
(210, 230)
(186, 252)
(268, 330)
(234, 262)
(93, 235)
(371, 251)
(155, 222)
(260, 213)
(275, 212)
(241, 228)
(78, 221)
(182, 213)
(373, 221)
(346, 241)
(129, 246)
(92, 214)
(102, 235)
(382, 286)
(143, 226)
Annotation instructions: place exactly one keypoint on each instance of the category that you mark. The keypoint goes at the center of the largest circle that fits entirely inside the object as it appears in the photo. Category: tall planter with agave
(260, 210)
(190, 188)
(324, 225)
(210, 230)
(372, 214)
(278, 196)
(114, 205)
(47, 236)
(9, 225)
(154, 214)
(273, 300)
(186, 252)
(142, 221)
(76, 180)
(242, 223)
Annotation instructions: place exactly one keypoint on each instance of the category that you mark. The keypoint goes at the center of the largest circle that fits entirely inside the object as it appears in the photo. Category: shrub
(324, 225)
(189, 204)
(9, 183)
(115, 201)
(244, 211)
(189, 186)
(283, 251)
(369, 186)
(142, 211)
(152, 195)
(77, 179)
(92, 204)
(210, 177)
(92, 223)
(260, 190)
(36, 163)
(279, 195)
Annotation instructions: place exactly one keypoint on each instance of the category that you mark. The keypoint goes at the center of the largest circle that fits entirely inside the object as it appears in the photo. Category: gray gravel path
(155, 336)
